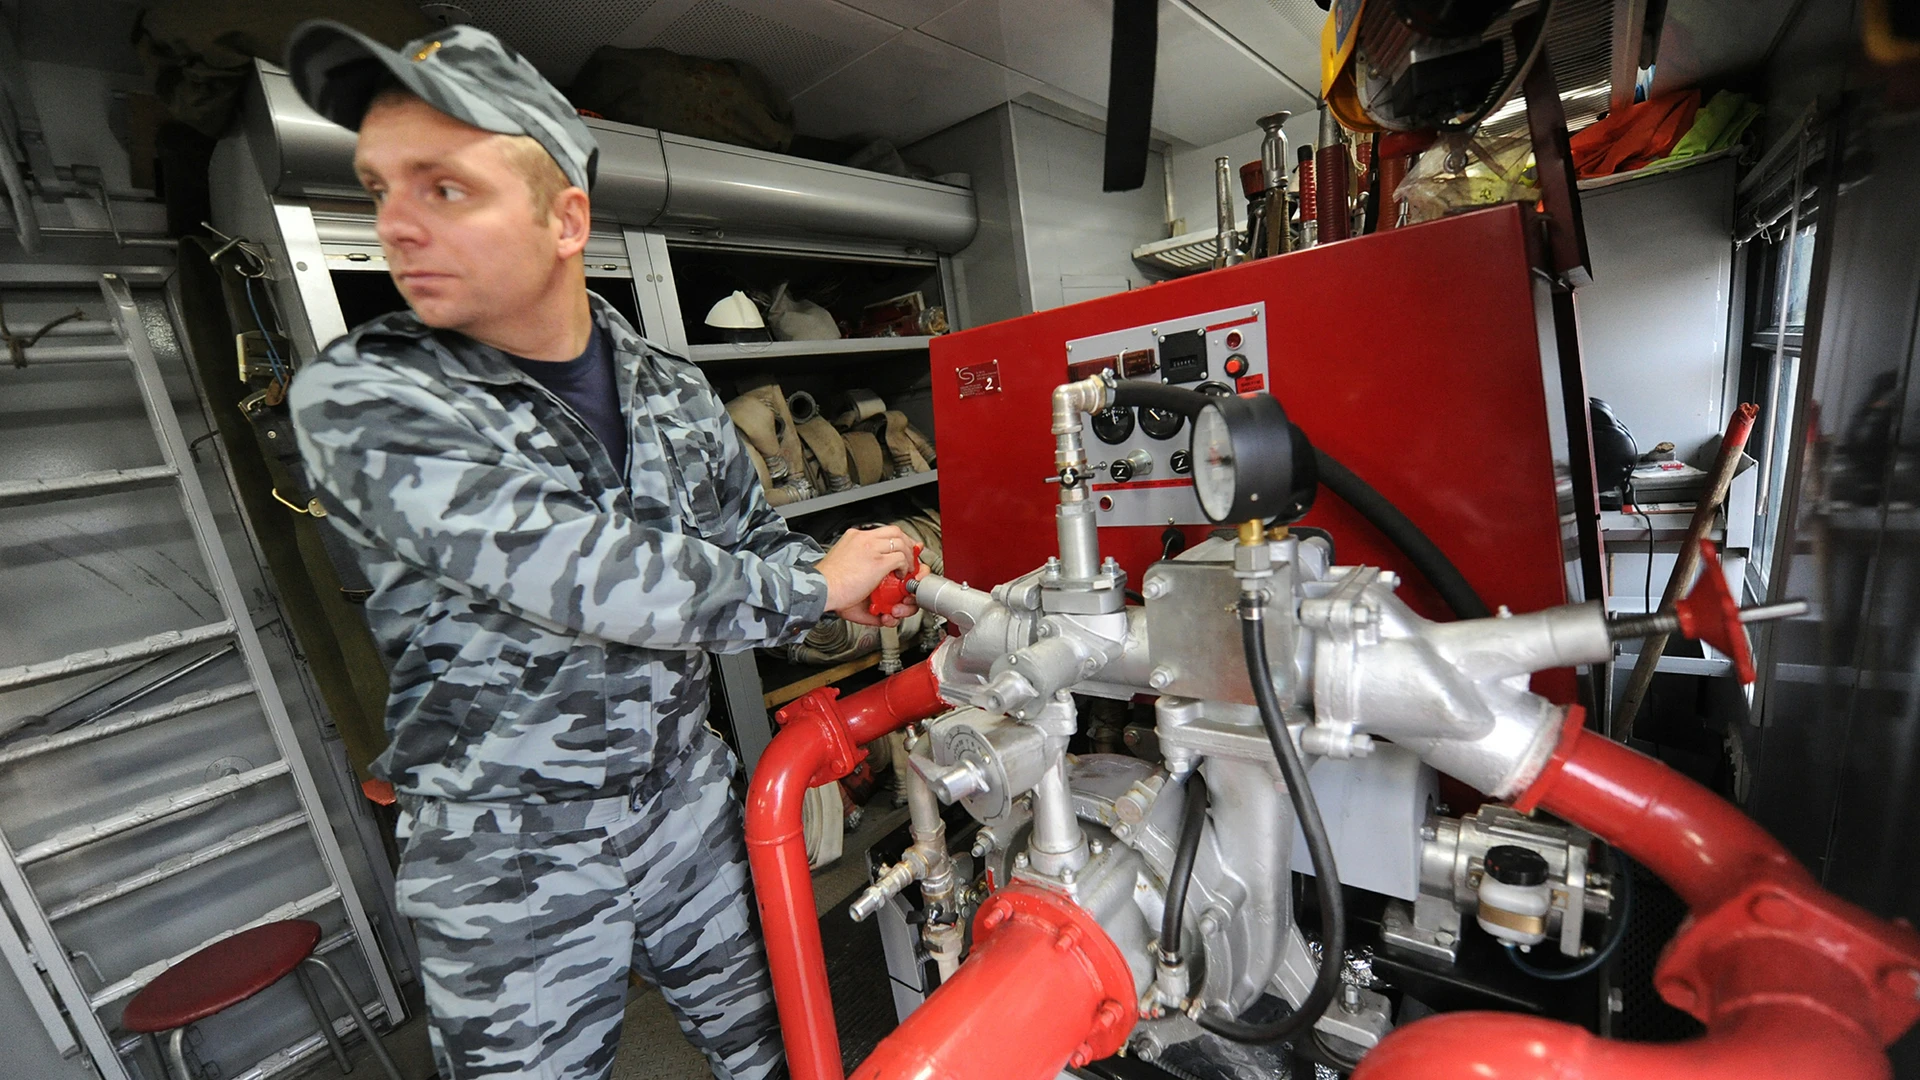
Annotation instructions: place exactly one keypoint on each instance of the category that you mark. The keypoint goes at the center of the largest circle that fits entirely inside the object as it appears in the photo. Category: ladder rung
(180, 864)
(180, 706)
(152, 810)
(134, 1044)
(80, 663)
(132, 983)
(75, 354)
(104, 482)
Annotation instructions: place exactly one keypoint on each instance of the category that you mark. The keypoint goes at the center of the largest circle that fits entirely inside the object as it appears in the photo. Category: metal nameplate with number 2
(977, 379)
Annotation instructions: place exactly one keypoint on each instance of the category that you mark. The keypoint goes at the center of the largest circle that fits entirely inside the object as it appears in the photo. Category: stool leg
(159, 1055)
(326, 1022)
(359, 1018)
(177, 1048)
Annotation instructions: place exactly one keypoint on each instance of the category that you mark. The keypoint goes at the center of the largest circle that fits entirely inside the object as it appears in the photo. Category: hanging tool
(1719, 480)
(1277, 236)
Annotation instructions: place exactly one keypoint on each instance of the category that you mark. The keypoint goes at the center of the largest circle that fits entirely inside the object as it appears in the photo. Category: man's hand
(855, 566)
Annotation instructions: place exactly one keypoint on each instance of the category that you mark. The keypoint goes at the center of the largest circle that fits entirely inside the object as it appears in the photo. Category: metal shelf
(776, 350)
(859, 494)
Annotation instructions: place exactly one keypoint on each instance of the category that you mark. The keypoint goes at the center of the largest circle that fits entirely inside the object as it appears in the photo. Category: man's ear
(573, 221)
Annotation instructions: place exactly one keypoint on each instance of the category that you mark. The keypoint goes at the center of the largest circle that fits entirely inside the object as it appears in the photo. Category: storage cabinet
(692, 270)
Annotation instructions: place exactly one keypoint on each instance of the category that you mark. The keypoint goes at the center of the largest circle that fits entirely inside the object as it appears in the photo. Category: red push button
(1235, 366)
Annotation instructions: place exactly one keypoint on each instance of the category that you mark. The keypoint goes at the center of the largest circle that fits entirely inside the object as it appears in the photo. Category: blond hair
(524, 154)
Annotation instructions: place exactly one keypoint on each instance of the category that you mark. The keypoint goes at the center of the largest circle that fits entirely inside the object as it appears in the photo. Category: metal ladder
(41, 947)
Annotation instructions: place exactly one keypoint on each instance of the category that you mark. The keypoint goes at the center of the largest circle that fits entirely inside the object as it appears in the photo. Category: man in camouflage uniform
(559, 523)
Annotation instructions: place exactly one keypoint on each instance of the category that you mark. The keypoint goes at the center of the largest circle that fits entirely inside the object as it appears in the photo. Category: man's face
(457, 223)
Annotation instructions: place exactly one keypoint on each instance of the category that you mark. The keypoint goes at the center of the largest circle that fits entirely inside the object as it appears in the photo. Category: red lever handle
(1710, 615)
(892, 589)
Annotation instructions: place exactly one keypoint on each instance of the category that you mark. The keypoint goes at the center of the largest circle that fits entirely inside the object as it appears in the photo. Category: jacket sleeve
(405, 470)
(751, 525)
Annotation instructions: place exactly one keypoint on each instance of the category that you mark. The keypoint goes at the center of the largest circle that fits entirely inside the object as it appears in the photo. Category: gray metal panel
(990, 280)
(718, 186)
(630, 182)
(645, 177)
(1653, 323)
(297, 151)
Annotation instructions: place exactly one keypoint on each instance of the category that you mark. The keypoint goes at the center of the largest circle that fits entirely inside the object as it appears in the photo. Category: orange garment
(1636, 135)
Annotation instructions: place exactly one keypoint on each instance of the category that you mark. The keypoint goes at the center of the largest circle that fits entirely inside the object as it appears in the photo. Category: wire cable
(1326, 878)
(273, 353)
(1623, 877)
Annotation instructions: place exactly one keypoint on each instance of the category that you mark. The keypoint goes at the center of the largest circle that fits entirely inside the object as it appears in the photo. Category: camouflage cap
(463, 71)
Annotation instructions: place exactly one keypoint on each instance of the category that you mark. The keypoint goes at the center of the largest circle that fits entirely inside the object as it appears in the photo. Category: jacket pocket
(475, 720)
(697, 455)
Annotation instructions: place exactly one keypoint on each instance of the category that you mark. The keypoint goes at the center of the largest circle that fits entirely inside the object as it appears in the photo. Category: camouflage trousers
(529, 916)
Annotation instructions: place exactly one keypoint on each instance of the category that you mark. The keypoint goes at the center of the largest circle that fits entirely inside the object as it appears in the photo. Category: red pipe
(819, 742)
(1790, 980)
(1043, 988)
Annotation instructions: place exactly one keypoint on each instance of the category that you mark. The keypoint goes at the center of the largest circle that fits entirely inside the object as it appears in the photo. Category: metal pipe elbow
(1088, 395)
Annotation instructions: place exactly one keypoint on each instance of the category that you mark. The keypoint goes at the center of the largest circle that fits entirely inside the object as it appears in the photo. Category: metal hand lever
(1709, 615)
(893, 589)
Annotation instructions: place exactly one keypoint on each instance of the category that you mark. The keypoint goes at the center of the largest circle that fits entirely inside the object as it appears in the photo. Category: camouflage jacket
(546, 620)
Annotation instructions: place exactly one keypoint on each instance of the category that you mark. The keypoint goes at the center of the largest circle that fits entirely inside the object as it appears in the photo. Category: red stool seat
(221, 975)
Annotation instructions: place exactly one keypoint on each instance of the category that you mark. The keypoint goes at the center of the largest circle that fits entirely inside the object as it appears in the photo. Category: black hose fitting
(1326, 877)
(1193, 823)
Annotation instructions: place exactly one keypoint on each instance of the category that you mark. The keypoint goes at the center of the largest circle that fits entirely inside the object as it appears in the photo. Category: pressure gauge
(1160, 423)
(1249, 462)
(1113, 426)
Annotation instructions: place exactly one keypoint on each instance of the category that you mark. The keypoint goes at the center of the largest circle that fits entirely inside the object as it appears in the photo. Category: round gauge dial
(1213, 463)
(1115, 425)
(1249, 463)
(1161, 423)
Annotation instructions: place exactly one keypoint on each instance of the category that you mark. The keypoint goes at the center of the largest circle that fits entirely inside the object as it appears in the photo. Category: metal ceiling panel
(556, 35)
(1285, 33)
(795, 43)
(908, 14)
(1209, 85)
(908, 88)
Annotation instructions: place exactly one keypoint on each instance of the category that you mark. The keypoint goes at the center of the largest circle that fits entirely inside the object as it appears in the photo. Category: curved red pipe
(819, 742)
(1043, 988)
(1790, 980)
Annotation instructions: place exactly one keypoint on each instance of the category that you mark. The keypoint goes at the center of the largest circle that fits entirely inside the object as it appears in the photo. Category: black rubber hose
(1193, 822)
(1155, 395)
(1423, 553)
(1326, 879)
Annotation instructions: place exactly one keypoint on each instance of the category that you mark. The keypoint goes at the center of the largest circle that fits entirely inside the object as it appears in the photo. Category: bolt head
(1902, 980)
(1066, 877)
(1095, 847)
(1444, 937)
(1020, 860)
(1161, 678)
